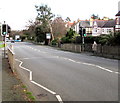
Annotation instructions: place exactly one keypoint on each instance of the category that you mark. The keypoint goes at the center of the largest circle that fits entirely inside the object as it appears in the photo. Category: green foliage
(70, 33)
(75, 38)
(40, 32)
(107, 40)
(23, 37)
(54, 42)
(117, 38)
(44, 13)
(44, 16)
(91, 39)
(70, 37)
(23, 86)
(78, 40)
(65, 40)
(110, 39)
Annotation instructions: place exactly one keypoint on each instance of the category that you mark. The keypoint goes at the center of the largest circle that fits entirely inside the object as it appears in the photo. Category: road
(74, 76)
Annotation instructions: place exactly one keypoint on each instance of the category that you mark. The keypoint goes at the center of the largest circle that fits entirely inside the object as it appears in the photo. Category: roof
(85, 23)
(110, 23)
(118, 14)
(101, 23)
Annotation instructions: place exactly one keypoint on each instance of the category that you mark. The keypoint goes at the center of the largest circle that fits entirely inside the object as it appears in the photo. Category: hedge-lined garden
(72, 37)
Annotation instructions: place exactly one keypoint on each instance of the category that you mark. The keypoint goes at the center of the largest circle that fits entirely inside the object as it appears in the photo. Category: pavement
(9, 83)
(72, 76)
(0, 75)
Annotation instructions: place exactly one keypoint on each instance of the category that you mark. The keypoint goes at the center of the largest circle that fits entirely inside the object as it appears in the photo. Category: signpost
(48, 36)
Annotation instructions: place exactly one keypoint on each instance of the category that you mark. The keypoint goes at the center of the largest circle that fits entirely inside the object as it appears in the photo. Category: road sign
(48, 36)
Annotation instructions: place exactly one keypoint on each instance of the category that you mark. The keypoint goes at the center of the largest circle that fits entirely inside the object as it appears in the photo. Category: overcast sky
(16, 13)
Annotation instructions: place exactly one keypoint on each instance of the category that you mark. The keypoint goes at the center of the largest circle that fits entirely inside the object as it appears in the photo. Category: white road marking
(59, 98)
(102, 68)
(117, 72)
(25, 58)
(43, 87)
(30, 75)
(30, 78)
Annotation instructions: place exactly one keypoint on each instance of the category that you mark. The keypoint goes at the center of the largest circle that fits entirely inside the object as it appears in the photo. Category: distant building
(109, 27)
(117, 27)
(101, 27)
(84, 24)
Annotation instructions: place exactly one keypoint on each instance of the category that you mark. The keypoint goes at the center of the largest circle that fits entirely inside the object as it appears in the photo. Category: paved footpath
(0, 75)
(8, 92)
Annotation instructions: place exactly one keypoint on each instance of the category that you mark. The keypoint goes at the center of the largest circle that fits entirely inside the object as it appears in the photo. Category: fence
(11, 57)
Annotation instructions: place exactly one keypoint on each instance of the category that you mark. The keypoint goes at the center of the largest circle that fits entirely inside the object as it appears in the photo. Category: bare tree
(58, 27)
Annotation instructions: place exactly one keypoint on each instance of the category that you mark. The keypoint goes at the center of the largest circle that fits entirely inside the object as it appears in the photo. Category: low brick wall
(109, 51)
(105, 51)
(71, 47)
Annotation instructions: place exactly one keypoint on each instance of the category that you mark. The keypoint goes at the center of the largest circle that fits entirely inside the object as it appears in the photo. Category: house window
(103, 30)
(96, 30)
(107, 30)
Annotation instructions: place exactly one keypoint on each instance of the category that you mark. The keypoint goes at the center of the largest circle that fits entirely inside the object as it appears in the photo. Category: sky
(17, 13)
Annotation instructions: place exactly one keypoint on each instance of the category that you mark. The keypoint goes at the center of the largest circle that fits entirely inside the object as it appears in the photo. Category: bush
(54, 42)
(78, 40)
(65, 40)
(107, 40)
(117, 38)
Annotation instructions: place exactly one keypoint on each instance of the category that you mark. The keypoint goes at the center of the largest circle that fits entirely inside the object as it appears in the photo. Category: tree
(95, 16)
(58, 26)
(68, 19)
(44, 16)
(31, 29)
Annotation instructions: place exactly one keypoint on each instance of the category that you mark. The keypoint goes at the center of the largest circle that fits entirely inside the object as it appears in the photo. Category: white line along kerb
(43, 87)
(59, 98)
(50, 91)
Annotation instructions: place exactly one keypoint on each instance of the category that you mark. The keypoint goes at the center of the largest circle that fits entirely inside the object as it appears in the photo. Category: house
(117, 27)
(68, 25)
(75, 26)
(84, 24)
(109, 27)
(101, 27)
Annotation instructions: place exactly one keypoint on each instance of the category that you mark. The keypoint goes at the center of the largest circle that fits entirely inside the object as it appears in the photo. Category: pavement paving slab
(0, 76)
(9, 81)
